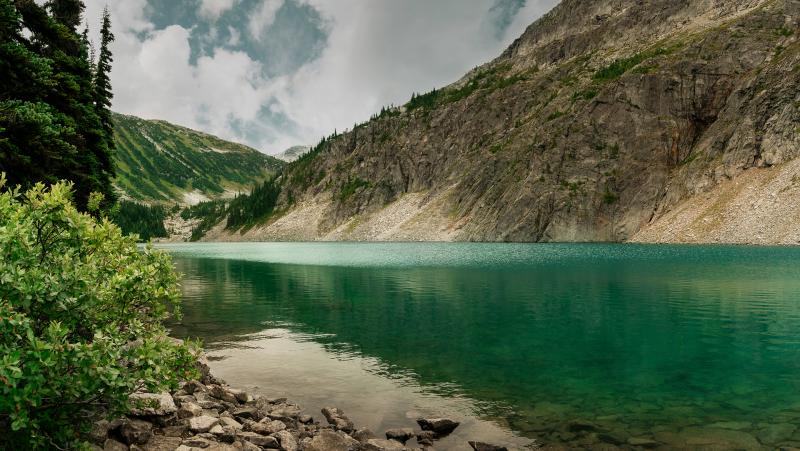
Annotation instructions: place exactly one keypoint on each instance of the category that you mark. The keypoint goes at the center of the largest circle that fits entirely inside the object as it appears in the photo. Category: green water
(688, 346)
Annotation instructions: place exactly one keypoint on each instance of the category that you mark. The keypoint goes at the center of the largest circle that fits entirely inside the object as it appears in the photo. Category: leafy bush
(81, 311)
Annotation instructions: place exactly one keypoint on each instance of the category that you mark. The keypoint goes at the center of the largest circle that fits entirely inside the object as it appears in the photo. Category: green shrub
(81, 311)
(618, 68)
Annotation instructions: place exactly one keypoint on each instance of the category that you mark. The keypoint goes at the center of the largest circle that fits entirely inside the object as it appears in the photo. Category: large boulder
(152, 404)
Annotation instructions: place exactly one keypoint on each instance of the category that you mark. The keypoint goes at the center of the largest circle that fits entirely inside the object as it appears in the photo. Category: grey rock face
(539, 144)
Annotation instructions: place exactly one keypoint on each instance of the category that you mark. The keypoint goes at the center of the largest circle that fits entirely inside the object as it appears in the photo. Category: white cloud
(235, 37)
(213, 9)
(378, 52)
(264, 17)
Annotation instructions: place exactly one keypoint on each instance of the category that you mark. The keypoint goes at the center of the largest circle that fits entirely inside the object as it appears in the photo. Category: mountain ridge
(160, 162)
(592, 126)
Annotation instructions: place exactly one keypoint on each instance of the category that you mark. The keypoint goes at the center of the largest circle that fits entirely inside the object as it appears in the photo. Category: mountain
(293, 153)
(607, 120)
(165, 163)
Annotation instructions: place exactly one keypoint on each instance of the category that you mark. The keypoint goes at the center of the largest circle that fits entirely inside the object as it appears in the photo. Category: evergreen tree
(67, 12)
(49, 126)
(102, 81)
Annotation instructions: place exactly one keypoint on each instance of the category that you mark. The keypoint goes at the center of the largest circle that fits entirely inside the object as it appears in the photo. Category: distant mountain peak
(292, 153)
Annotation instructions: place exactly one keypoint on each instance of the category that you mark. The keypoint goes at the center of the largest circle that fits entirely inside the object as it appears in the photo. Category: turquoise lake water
(573, 346)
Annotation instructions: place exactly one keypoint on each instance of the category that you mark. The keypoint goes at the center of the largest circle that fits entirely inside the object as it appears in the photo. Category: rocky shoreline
(208, 415)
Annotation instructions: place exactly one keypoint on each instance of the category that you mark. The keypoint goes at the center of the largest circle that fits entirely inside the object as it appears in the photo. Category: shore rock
(189, 409)
(136, 432)
(152, 404)
(113, 445)
(287, 440)
(260, 440)
(215, 417)
(203, 423)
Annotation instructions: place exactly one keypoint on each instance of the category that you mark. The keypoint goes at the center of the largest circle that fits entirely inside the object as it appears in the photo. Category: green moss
(555, 115)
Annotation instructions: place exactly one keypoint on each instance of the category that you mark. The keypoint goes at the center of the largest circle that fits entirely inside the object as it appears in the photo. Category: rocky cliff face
(593, 125)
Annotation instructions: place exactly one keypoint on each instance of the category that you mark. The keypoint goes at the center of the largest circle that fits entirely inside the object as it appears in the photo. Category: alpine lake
(573, 346)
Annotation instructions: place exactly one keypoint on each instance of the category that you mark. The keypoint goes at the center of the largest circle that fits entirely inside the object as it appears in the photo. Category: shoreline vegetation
(86, 362)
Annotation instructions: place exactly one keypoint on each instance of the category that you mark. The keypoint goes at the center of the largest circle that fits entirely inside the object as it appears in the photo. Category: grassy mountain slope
(161, 162)
(595, 123)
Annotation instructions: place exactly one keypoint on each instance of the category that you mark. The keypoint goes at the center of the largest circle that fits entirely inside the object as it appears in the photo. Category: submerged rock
(481, 446)
(330, 441)
(377, 444)
(338, 419)
(363, 434)
(401, 435)
(441, 426)
(426, 437)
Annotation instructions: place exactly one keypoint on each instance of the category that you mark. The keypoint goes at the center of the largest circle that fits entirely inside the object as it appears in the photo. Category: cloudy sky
(276, 73)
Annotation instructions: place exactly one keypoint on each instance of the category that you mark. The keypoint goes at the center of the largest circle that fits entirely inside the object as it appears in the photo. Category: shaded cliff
(594, 124)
